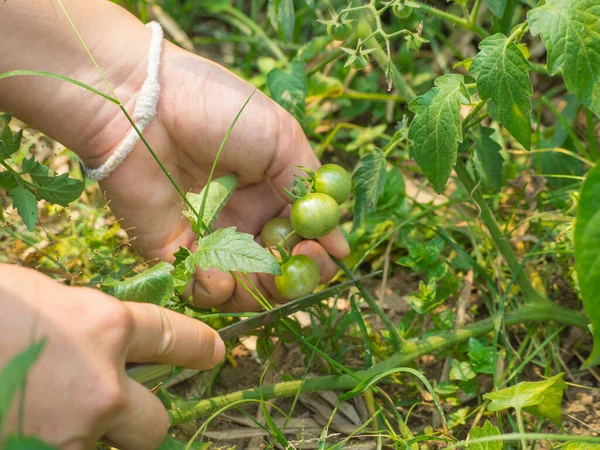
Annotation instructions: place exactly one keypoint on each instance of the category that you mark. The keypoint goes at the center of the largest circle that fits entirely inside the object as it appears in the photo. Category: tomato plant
(473, 139)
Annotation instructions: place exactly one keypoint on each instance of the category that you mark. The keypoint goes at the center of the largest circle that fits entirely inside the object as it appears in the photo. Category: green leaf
(26, 443)
(13, 375)
(587, 254)
(481, 357)
(228, 250)
(9, 143)
(289, 88)
(461, 370)
(581, 446)
(219, 192)
(482, 432)
(503, 77)
(154, 285)
(8, 181)
(171, 443)
(34, 168)
(282, 16)
(436, 128)
(488, 160)
(542, 398)
(26, 204)
(322, 85)
(570, 30)
(59, 190)
(369, 182)
(497, 7)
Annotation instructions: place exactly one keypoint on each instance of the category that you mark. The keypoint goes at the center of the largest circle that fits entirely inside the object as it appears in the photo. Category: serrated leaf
(34, 168)
(14, 374)
(8, 181)
(503, 76)
(59, 190)
(9, 143)
(154, 285)
(18, 442)
(368, 184)
(488, 160)
(486, 431)
(228, 250)
(542, 398)
(436, 128)
(282, 16)
(497, 7)
(570, 30)
(219, 192)
(26, 205)
(289, 88)
(587, 254)
(481, 357)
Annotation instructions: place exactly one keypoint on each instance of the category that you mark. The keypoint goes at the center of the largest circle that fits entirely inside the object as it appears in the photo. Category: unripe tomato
(360, 64)
(333, 180)
(339, 31)
(315, 215)
(276, 230)
(300, 276)
(402, 11)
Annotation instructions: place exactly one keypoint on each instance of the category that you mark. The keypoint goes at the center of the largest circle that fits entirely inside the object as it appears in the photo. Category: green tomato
(333, 180)
(360, 64)
(315, 215)
(339, 31)
(402, 11)
(279, 231)
(300, 276)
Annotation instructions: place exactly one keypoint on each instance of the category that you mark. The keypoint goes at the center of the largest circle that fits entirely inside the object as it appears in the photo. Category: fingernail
(219, 351)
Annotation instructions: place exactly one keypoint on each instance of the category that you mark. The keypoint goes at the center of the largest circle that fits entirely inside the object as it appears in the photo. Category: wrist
(81, 120)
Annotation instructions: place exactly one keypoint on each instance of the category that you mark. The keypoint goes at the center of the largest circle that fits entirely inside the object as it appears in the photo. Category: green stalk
(365, 30)
(534, 312)
(463, 23)
(591, 135)
(487, 216)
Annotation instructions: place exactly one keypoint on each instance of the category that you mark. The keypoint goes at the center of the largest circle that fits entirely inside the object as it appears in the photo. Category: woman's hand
(199, 101)
(78, 391)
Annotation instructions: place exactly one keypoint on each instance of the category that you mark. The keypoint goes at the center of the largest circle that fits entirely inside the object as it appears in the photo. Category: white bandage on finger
(145, 109)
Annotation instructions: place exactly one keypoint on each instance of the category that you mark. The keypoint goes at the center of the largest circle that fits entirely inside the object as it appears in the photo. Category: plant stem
(591, 135)
(533, 312)
(521, 428)
(395, 335)
(463, 23)
(364, 29)
(487, 216)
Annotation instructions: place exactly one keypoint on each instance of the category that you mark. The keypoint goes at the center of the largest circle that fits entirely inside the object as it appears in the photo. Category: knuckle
(108, 397)
(166, 344)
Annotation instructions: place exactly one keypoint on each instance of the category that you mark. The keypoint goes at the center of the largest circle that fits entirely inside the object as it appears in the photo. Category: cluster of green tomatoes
(315, 213)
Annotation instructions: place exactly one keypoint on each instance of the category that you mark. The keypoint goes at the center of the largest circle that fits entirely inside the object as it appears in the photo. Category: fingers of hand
(142, 422)
(336, 244)
(163, 336)
(210, 288)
